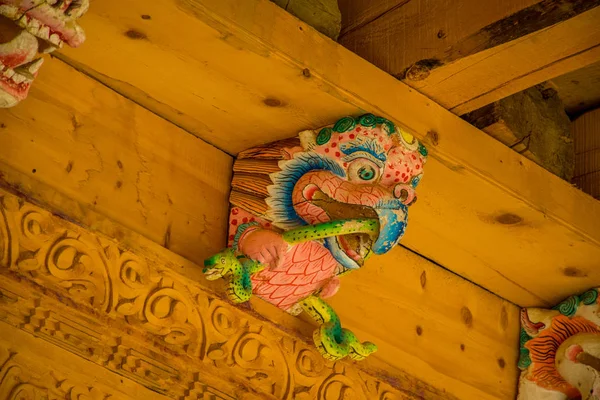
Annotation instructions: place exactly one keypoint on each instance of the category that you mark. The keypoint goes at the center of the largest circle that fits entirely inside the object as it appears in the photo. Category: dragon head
(220, 265)
(358, 168)
(29, 27)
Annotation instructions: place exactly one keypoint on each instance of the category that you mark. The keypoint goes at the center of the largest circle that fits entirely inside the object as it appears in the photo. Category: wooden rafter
(468, 54)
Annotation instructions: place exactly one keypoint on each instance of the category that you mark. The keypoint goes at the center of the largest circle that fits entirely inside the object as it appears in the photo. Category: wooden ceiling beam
(466, 54)
(242, 73)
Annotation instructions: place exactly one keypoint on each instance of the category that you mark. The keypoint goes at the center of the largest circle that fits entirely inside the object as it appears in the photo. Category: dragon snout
(216, 266)
(405, 193)
(393, 218)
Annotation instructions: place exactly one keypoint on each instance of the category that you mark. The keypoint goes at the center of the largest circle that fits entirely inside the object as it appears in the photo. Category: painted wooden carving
(560, 350)
(309, 209)
(29, 27)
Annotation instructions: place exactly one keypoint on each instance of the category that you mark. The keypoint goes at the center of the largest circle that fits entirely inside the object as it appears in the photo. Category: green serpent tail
(333, 341)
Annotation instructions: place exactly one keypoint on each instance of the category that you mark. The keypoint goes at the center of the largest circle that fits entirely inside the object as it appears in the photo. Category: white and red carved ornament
(28, 28)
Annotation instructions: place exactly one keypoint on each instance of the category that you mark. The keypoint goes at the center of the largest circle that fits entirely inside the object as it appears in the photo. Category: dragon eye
(366, 173)
(364, 170)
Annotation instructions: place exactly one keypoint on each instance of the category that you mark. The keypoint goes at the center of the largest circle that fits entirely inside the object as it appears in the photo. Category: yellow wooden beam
(465, 54)
(241, 73)
(475, 81)
(91, 144)
(142, 311)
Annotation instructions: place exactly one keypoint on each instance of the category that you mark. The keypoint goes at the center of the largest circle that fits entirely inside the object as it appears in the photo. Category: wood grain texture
(358, 13)
(534, 123)
(402, 298)
(586, 134)
(238, 61)
(140, 310)
(32, 368)
(323, 15)
(475, 81)
(580, 89)
(394, 34)
(468, 54)
(93, 145)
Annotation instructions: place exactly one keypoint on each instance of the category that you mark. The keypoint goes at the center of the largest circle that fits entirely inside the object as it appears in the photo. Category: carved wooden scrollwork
(20, 380)
(127, 312)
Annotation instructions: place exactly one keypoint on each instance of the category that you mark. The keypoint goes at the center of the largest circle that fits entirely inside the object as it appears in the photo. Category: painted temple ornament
(560, 350)
(307, 210)
(28, 28)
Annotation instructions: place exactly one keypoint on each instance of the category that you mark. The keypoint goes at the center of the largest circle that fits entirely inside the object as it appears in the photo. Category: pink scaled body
(293, 271)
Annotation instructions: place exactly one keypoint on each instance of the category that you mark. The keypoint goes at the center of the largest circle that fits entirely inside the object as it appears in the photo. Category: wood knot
(573, 272)
(146, 16)
(466, 316)
(306, 72)
(441, 34)
(433, 137)
(501, 363)
(421, 69)
(272, 102)
(548, 93)
(135, 35)
(509, 219)
(419, 330)
(423, 279)
(462, 347)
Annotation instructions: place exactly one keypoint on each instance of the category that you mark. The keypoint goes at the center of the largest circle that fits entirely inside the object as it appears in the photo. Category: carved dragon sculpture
(29, 27)
(560, 350)
(306, 210)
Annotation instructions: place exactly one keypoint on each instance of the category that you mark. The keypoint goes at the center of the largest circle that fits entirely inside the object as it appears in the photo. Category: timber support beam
(467, 54)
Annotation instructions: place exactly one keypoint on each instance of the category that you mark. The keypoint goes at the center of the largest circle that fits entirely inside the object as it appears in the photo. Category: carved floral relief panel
(34, 369)
(128, 313)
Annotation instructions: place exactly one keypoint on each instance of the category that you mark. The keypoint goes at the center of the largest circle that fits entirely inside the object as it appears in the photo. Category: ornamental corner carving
(560, 350)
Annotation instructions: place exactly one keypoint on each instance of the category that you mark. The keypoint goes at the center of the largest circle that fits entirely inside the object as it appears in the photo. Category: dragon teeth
(34, 66)
(55, 40)
(44, 33)
(17, 78)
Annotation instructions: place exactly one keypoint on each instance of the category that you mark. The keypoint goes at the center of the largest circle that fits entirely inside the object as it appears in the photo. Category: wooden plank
(323, 15)
(586, 135)
(484, 212)
(207, 342)
(443, 322)
(534, 123)
(394, 34)
(487, 61)
(358, 13)
(91, 144)
(515, 65)
(580, 89)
